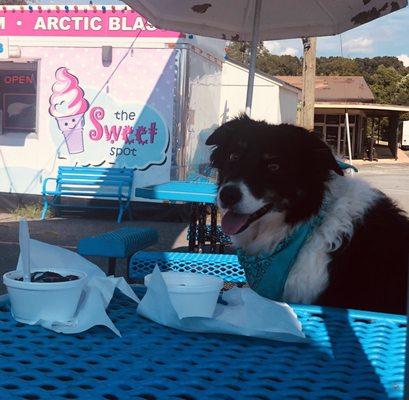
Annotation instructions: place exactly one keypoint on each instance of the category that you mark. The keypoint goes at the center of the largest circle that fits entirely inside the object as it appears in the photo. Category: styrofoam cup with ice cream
(68, 106)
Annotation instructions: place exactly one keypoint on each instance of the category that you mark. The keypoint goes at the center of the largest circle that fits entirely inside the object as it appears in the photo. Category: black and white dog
(272, 178)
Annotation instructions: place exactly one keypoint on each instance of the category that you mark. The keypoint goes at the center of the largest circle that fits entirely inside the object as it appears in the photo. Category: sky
(386, 36)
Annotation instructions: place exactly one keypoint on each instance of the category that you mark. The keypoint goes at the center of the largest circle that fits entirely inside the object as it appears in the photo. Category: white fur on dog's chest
(308, 277)
(349, 199)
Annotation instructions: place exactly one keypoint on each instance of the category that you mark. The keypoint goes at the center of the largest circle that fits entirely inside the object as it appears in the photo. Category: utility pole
(308, 88)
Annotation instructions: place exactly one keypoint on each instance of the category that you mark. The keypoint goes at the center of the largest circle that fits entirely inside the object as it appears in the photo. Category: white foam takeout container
(191, 294)
(34, 301)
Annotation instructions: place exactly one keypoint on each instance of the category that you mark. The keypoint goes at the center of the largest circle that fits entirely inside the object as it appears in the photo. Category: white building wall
(272, 101)
(288, 105)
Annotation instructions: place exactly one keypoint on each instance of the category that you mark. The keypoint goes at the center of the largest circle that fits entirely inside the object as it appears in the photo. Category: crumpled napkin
(246, 313)
(97, 294)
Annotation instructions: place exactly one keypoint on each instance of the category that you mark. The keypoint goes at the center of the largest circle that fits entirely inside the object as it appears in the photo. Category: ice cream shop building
(101, 86)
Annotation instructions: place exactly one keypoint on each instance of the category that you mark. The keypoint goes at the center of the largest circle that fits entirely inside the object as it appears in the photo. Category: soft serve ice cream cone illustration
(68, 106)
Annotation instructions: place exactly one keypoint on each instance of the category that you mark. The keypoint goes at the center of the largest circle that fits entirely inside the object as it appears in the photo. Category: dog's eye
(234, 156)
(273, 167)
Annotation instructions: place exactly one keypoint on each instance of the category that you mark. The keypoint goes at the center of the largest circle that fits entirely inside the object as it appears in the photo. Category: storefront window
(350, 117)
(18, 96)
(332, 138)
(332, 119)
(319, 118)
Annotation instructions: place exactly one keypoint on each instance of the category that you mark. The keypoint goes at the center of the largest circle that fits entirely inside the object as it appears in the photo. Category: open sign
(18, 79)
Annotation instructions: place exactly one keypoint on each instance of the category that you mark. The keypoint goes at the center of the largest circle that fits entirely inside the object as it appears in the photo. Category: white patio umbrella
(255, 20)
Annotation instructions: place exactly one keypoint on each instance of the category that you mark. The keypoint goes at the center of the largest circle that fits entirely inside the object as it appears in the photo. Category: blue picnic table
(351, 355)
(202, 197)
(185, 191)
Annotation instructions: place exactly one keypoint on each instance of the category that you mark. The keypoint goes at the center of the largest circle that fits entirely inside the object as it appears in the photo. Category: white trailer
(137, 97)
(405, 136)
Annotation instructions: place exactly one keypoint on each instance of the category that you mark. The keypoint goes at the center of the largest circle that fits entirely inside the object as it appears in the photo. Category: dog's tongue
(232, 222)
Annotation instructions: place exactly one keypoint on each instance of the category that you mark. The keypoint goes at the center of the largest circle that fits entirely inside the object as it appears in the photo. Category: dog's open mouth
(234, 223)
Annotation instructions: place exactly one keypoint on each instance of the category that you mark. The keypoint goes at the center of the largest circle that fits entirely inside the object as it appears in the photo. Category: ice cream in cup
(68, 106)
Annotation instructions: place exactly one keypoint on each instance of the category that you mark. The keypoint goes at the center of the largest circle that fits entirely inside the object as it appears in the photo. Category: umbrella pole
(253, 54)
(348, 134)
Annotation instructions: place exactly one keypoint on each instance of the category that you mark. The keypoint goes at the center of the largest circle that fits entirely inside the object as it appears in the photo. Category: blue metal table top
(352, 355)
(187, 191)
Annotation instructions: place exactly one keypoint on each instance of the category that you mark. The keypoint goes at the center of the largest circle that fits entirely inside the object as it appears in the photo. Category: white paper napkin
(246, 313)
(97, 293)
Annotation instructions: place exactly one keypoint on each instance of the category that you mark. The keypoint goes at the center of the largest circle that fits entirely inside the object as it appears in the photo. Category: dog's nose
(230, 195)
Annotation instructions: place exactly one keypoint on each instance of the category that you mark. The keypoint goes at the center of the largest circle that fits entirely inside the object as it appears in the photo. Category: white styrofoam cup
(191, 294)
(52, 301)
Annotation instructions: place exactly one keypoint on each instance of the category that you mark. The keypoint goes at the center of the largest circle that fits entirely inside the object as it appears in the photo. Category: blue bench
(226, 266)
(121, 243)
(84, 182)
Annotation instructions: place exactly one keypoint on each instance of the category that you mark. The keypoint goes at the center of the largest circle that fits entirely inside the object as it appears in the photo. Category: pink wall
(145, 77)
(78, 22)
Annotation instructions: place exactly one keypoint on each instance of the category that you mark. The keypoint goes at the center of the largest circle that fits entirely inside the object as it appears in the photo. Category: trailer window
(18, 96)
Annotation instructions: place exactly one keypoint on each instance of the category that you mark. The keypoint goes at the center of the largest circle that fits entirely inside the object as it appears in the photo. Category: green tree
(265, 62)
(240, 51)
(280, 65)
(336, 66)
(384, 83)
(402, 91)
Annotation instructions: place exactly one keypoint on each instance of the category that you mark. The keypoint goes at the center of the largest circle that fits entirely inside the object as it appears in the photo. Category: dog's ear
(224, 132)
(219, 136)
(322, 156)
(325, 158)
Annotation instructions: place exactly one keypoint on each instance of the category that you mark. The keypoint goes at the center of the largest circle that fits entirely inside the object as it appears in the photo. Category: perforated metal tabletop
(351, 356)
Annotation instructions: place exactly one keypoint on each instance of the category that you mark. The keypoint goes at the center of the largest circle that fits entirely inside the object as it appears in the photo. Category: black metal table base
(198, 235)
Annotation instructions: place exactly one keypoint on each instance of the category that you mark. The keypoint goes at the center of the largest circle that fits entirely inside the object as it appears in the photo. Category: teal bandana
(344, 165)
(267, 273)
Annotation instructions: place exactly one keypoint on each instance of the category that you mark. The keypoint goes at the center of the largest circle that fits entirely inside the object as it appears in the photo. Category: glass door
(343, 141)
(332, 138)
(343, 144)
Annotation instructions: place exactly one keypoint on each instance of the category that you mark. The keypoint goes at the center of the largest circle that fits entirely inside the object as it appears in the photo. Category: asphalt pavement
(392, 179)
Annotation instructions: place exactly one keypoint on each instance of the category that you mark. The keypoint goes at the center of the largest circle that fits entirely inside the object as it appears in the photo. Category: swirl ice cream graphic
(68, 106)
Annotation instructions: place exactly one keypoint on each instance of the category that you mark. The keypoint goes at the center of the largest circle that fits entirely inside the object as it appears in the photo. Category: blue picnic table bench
(185, 191)
(225, 266)
(90, 182)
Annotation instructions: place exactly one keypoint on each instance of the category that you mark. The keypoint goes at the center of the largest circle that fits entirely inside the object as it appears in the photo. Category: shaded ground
(384, 156)
(67, 232)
